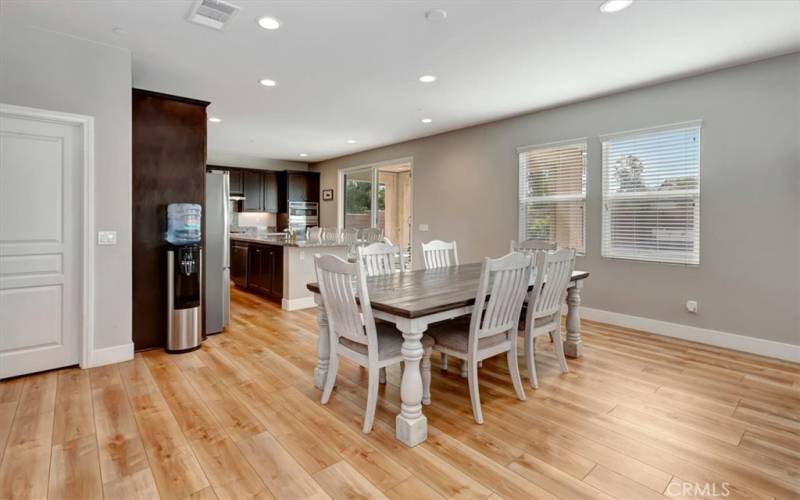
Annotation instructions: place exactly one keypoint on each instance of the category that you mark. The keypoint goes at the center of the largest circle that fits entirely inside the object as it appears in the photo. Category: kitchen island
(278, 269)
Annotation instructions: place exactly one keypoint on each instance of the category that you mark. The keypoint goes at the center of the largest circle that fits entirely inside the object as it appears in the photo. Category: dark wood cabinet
(257, 278)
(296, 187)
(258, 268)
(260, 189)
(302, 186)
(270, 192)
(253, 191)
(168, 166)
(236, 182)
(238, 269)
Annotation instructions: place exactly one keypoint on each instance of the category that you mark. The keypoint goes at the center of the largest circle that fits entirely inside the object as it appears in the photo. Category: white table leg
(411, 426)
(323, 345)
(573, 345)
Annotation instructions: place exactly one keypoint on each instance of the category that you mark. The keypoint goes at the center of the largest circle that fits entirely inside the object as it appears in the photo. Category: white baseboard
(299, 303)
(109, 355)
(752, 345)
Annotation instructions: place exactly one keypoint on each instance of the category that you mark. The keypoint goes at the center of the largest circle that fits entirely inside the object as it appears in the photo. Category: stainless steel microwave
(303, 209)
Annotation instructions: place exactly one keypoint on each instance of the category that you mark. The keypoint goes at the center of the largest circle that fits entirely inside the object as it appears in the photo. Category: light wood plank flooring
(638, 417)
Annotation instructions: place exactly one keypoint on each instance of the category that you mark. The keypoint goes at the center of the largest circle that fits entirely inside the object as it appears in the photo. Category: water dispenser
(184, 278)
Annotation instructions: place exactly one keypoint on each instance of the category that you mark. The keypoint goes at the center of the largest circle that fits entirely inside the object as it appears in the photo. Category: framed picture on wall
(327, 195)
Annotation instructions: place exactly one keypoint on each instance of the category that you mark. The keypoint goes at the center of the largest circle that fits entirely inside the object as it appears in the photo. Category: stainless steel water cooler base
(184, 326)
(184, 330)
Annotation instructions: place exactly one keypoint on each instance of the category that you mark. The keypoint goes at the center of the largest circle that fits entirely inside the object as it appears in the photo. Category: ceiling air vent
(212, 13)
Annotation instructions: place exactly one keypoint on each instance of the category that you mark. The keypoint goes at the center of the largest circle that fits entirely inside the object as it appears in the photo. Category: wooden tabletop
(420, 293)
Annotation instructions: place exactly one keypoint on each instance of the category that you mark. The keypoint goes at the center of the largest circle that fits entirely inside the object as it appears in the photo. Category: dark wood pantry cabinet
(168, 166)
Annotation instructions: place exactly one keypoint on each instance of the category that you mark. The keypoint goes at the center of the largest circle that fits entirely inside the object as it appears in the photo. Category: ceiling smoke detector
(213, 14)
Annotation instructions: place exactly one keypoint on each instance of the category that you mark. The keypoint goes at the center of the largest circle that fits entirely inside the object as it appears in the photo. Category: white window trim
(521, 234)
(654, 256)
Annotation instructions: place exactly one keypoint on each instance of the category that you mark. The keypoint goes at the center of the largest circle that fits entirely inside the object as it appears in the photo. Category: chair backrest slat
(379, 259)
(349, 235)
(314, 234)
(528, 246)
(552, 280)
(505, 281)
(439, 253)
(346, 300)
(330, 234)
(371, 234)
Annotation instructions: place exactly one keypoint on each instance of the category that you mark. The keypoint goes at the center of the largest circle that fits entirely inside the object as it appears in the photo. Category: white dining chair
(330, 234)
(378, 259)
(492, 327)
(543, 315)
(354, 333)
(314, 234)
(370, 234)
(532, 245)
(349, 237)
(438, 253)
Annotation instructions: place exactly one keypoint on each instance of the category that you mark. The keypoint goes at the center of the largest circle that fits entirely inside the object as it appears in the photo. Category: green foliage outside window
(358, 197)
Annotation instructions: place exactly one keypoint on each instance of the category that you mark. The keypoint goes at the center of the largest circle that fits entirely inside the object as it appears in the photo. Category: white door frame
(86, 124)
(376, 167)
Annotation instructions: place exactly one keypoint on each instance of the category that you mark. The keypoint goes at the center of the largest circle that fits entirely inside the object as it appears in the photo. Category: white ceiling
(349, 69)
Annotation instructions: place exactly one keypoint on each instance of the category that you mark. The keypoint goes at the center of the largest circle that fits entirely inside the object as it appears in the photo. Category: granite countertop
(272, 240)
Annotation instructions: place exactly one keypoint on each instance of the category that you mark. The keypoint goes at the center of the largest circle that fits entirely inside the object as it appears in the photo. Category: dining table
(413, 300)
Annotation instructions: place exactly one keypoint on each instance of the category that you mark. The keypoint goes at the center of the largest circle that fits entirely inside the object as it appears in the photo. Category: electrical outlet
(302, 255)
(423, 227)
(691, 306)
(106, 237)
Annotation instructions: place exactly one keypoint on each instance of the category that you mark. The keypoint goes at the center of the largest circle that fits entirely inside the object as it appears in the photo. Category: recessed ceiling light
(269, 23)
(427, 78)
(214, 119)
(267, 82)
(436, 15)
(426, 120)
(303, 155)
(611, 6)
(351, 141)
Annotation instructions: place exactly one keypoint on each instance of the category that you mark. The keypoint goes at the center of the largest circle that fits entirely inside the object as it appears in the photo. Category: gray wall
(748, 280)
(60, 73)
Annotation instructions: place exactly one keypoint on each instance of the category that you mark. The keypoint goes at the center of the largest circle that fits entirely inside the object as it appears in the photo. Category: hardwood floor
(638, 417)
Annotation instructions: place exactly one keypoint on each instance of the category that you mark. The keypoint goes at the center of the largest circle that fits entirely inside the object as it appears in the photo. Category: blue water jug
(183, 223)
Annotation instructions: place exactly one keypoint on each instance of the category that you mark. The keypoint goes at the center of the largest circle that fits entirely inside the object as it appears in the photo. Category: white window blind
(651, 195)
(552, 193)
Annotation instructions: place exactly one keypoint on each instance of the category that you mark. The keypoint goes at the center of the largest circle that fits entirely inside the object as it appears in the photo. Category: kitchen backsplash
(259, 220)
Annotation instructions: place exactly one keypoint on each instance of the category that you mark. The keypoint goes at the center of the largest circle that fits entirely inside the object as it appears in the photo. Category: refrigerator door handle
(226, 191)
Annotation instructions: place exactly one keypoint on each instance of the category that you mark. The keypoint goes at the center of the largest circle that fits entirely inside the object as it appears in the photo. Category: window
(552, 193)
(651, 194)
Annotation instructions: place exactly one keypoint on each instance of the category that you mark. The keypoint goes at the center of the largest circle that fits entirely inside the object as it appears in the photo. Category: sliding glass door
(380, 196)
(358, 202)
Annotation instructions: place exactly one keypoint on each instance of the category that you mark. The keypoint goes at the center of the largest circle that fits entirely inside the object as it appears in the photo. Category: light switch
(302, 255)
(423, 227)
(106, 237)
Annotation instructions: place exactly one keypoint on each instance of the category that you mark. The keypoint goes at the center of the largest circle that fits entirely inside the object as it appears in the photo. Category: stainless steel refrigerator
(217, 252)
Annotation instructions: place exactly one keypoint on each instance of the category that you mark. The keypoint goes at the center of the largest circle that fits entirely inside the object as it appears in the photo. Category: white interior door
(41, 233)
